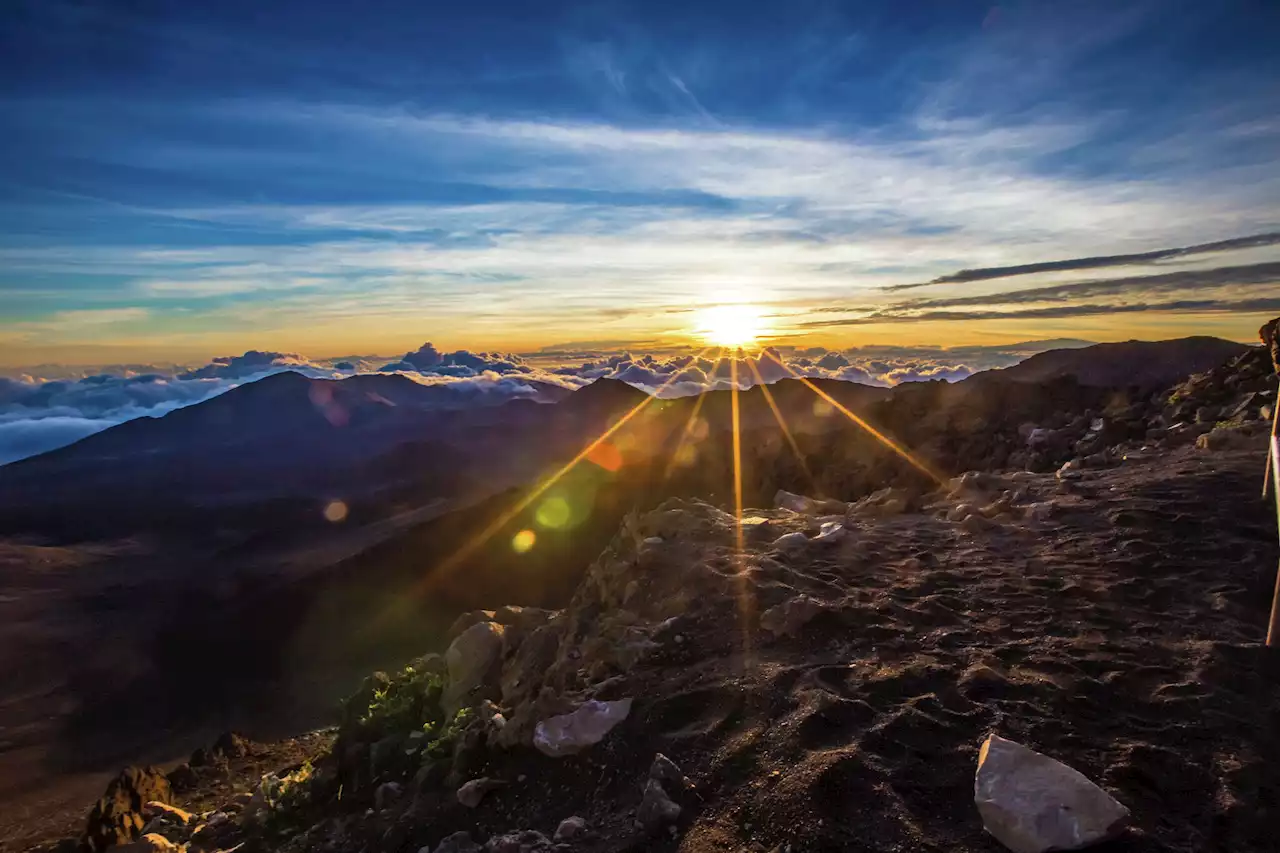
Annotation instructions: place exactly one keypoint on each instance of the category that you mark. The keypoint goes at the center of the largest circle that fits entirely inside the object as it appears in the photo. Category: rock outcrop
(117, 818)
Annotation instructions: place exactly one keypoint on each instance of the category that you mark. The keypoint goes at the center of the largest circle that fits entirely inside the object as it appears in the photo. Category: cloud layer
(40, 415)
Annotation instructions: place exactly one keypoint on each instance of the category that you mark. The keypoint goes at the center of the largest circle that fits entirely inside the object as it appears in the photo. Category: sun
(736, 325)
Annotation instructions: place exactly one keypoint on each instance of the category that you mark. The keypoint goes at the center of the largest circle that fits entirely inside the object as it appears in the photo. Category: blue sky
(182, 180)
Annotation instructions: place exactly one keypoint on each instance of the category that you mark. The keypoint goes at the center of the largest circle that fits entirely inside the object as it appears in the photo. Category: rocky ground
(822, 677)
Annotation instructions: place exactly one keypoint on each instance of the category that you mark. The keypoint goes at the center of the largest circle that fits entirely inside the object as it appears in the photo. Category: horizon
(186, 184)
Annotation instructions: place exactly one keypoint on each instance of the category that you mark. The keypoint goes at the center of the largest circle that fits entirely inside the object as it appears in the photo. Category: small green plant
(405, 703)
(286, 799)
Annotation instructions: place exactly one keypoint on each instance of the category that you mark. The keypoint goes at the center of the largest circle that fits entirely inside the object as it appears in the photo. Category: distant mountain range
(382, 440)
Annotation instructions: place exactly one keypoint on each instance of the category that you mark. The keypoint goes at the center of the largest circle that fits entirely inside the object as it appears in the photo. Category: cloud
(428, 360)
(29, 437)
(251, 363)
(1233, 244)
(682, 375)
(1242, 306)
(37, 416)
(1236, 277)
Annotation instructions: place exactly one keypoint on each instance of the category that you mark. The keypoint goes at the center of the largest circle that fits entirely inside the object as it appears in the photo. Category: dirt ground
(1121, 634)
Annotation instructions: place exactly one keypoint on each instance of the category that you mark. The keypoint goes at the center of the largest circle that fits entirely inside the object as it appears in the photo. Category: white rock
(1033, 804)
(570, 733)
(831, 531)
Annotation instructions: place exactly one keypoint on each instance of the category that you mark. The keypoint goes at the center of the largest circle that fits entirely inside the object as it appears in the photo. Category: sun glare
(736, 325)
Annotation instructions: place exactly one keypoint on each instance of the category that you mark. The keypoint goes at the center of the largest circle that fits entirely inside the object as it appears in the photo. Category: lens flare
(554, 512)
(335, 512)
(523, 541)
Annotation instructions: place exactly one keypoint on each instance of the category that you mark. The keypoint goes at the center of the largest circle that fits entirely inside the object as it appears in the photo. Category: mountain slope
(1146, 364)
(832, 694)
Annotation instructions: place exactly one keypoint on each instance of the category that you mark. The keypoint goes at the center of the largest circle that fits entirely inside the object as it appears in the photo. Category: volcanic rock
(1033, 804)
(472, 793)
(473, 660)
(570, 828)
(571, 733)
(788, 618)
(117, 817)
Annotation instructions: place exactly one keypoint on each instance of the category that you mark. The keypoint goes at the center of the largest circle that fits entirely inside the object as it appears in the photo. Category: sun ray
(457, 558)
(688, 428)
(782, 424)
(875, 433)
(745, 602)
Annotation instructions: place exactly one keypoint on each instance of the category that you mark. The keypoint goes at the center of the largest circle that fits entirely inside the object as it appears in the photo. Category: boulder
(571, 733)
(472, 660)
(117, 817)
(1032, 803)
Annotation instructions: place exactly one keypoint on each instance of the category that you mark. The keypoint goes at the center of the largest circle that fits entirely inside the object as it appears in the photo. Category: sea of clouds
(50, 407)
